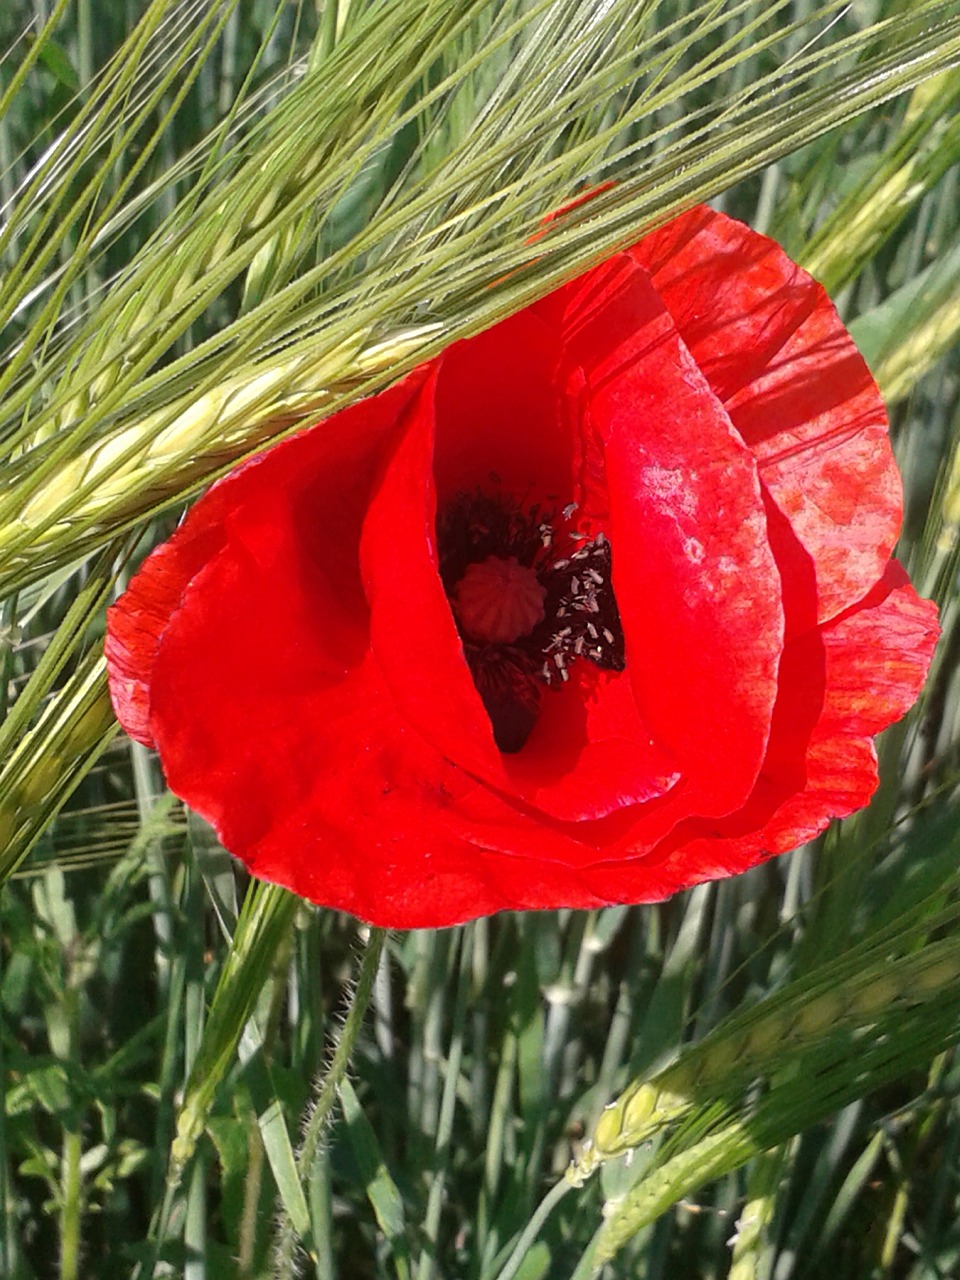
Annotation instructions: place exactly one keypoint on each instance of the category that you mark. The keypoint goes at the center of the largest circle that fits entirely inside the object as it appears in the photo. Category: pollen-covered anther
(499, 600)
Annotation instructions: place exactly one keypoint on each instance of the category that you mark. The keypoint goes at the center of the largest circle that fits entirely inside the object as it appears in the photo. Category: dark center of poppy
(530, 594)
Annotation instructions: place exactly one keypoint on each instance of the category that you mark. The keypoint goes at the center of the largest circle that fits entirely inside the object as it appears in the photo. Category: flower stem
(326, 1093)
(345, 1043)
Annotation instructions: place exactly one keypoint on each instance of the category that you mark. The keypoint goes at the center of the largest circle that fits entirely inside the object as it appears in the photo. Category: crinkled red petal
(136, 623)
(697, 586)
(770, 343)
(852, 678)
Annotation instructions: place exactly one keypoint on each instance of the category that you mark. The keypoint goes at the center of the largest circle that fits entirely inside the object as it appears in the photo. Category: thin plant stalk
(328, 1088)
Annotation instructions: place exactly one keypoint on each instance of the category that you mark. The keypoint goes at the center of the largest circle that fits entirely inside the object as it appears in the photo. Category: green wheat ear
(100, 434)
(860, 1003)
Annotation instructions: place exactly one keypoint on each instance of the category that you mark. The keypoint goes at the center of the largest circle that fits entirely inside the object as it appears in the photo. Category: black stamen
(475, 526)
(584, 600)
(510, 690)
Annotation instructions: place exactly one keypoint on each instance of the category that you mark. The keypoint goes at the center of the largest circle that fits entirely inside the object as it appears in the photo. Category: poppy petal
(770, 343)
(136, 623)
(697, 585)
(873, 660)
(346, 460)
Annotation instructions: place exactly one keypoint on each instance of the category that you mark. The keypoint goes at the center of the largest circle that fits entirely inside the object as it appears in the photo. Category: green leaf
(380, 1187)
(56, 60)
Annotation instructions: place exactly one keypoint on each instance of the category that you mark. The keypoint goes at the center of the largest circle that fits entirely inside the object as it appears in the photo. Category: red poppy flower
(592, 607)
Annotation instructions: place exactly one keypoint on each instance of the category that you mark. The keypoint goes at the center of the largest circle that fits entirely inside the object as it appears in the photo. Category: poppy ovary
(499, 600)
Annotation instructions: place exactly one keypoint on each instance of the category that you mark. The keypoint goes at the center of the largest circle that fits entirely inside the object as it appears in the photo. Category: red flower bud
(679, 466)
